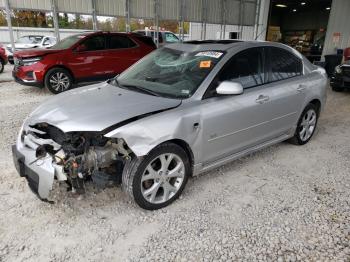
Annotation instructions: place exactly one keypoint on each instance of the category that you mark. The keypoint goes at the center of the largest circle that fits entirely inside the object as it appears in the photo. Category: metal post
(94, 16)
(55, 19)
(222, 18)
(156, 23)
(204, 23)
(127, 16)
(241, 16)
(257, 18)
(9, 24)
(182, 23)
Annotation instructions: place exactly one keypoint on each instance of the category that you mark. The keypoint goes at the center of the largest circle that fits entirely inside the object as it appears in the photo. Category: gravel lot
(285, 203)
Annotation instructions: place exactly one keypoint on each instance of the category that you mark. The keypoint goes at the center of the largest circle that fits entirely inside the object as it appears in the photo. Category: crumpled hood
(96, 107)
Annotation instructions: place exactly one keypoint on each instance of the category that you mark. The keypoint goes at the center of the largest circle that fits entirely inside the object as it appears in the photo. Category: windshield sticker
(205, 64)
(185, 91)
(210, 54)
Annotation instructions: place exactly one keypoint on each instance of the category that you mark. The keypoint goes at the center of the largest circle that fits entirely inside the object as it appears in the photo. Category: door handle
(262, 99)
(301, 88)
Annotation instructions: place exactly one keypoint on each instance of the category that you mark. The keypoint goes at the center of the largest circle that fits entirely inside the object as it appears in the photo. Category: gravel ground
(284, 203)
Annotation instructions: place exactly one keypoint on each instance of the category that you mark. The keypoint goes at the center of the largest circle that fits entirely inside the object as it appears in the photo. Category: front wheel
(306, 125)
(159, 178)
(58, 80)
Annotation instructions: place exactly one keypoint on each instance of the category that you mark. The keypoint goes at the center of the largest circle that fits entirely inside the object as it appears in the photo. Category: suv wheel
(306, 125)
(158, 179)
(58, 80)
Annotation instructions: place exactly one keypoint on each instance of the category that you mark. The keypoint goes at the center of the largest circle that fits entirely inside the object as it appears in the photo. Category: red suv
(3, 58)
(80, 58)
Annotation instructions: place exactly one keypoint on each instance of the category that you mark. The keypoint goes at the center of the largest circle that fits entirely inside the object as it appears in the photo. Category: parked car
(164, 37)
(80, 58)
(340, 80)
(3, 58)
(182, 110)
(30, 41)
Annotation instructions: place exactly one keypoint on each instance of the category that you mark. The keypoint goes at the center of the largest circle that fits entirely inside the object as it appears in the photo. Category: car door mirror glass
(229, 88)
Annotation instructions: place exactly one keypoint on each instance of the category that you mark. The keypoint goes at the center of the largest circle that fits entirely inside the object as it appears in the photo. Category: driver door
(233, 123)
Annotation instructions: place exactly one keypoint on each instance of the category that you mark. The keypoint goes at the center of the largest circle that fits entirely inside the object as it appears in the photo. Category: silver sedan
(181, 110)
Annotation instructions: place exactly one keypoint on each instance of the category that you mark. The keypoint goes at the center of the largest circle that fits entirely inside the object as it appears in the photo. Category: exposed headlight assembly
(338, 69)
(31, 61)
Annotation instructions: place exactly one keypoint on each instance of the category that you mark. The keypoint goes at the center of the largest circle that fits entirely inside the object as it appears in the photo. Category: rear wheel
(306, 125)
(58, 80)
(159, 178)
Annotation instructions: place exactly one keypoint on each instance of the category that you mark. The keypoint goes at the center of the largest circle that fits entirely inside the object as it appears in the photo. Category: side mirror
(229, 88)
(81, 48)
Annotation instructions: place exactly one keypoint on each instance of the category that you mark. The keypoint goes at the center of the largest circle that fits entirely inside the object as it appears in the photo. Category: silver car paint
(96, 107)
(216, 130)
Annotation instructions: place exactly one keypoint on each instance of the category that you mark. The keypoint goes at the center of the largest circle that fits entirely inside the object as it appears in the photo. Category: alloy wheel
(162, 178)
(308, 124)
(59, 81)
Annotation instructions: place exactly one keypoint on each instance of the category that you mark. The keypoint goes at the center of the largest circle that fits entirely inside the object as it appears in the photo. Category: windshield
(170, 73)
(30, 39)
(68, 42)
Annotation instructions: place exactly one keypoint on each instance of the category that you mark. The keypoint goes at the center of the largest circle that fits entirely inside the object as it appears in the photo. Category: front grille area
(346, 71)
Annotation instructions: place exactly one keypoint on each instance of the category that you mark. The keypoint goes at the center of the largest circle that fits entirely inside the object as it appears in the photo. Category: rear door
(285, 87)
(122, 53)
(88, 59)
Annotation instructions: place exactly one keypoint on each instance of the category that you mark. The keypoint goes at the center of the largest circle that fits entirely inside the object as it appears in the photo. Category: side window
(171, 38)
(245, 67)
(46, 42)
(94, 43)
(283, 64)
(119, 42)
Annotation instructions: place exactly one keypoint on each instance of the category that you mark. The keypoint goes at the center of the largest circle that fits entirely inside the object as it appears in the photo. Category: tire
(308, 122)
(58, 80)
(337, 88)
(140, 175)
(2, 65)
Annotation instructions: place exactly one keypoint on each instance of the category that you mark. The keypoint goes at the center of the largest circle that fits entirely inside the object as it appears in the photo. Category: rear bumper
(39, 173)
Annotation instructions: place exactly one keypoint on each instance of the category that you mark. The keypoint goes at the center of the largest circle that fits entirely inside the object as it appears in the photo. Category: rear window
(283, 64)
(146, 40)
(119, 42)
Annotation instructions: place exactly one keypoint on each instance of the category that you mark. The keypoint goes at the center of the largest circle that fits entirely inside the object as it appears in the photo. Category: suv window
(171, 38)
(245, 67)
(95, 43)
(283, 64)
(118, 42)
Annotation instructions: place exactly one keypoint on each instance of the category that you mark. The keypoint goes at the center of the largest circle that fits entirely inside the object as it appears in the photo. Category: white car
(30, 41)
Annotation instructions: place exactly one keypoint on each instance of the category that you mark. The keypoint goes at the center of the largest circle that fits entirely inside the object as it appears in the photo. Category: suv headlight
(338, 69)
(31, 61)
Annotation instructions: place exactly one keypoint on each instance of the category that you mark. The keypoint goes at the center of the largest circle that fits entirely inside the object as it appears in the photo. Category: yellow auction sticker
(205, 64)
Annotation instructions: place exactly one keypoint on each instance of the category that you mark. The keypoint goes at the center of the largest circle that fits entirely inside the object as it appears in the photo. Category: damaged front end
(44, 152)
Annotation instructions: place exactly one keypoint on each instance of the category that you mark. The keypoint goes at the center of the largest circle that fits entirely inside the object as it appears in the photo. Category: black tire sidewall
(297, 133)
(53, 71)
(136, 183)
(2, 66)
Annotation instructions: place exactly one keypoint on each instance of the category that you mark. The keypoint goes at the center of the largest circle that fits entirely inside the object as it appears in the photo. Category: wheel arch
(316, 102)
(63, 67)
(186, 147)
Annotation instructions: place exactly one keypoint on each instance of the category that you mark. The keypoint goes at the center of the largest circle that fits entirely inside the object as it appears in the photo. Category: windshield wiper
(138, 88)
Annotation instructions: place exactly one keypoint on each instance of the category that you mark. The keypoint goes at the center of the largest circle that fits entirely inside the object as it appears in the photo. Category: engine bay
(80, 156)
